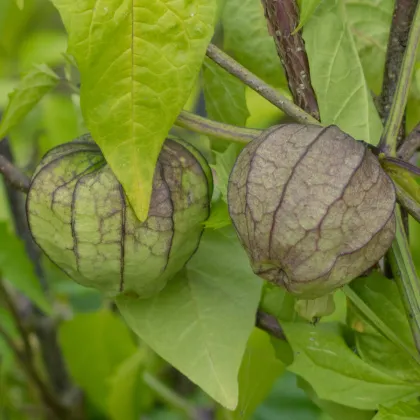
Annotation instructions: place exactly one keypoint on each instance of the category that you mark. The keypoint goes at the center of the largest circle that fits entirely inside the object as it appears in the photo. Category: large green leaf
(337, 74)
(139, 60)
(33, 86)
(246, 37)
(224, 95)
(400, 411)
(336, 373)
(201, 321)
(94, 345)
(16, 267)
(369, 23)
(382, 297)
(259, 370)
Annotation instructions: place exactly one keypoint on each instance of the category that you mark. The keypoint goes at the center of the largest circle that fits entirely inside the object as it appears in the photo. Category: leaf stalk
(255, 83)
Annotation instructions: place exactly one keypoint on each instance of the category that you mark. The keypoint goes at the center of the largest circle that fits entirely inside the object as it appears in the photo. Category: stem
(217, 129)
(269, 324)
(410, 144)
(255, 83)
(378, 323)
(407, 202)
(18, 322)
(400, 27)
(44, 327)
(13, 175)
(283, 18)
(389, 138)
(406, 278)
(170, 396)
(27, 366)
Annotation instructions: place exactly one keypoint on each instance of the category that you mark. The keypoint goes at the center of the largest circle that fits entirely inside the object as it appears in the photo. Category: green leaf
(16, 267)
(224, 95)
(219, 216)
(336, 373)
(59, 122)
(337, 74)
(94, 345)
(334, 410)
(259, 370)
(201, 321)
(278, 302)
(133, 89)
(33, 86)
(223, 167)
(306, 10)
(382, 297)
(369, 23)
(400, 411)
(42, 47)
(129, 396)
(246, 37)
(287, 402)
(263, 113)
(20, 4)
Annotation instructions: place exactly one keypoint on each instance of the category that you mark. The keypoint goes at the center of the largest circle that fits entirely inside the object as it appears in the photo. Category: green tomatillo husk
(81, 218)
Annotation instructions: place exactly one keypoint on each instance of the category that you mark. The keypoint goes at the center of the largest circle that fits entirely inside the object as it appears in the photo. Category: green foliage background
(202, 324)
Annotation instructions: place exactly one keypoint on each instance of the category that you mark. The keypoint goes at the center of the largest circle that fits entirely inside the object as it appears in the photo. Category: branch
(45, 328)
(169, 396)
(407, 202)
(13, 175)
(217, 129)
(269, 324)
(283, 18)
(397, 41)
(28, 367)
(255, 83)
(410, 144)
(406, 277)
(17, 319)
(389, 138)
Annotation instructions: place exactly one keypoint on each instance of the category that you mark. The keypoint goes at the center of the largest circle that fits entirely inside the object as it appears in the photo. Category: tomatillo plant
(217, 190)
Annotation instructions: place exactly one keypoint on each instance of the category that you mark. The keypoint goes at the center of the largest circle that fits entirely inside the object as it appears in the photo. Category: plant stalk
(170, 396)
(406, 278)
(217, 129)
(408, 203)
(44, 327)
(283, 18)
(388, 142)
(13, 175)
(410, 144)
(378, 323)
(400, 28)
(255, 83)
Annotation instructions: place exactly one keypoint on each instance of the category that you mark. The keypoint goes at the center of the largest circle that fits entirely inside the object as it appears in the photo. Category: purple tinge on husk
(312, 207)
